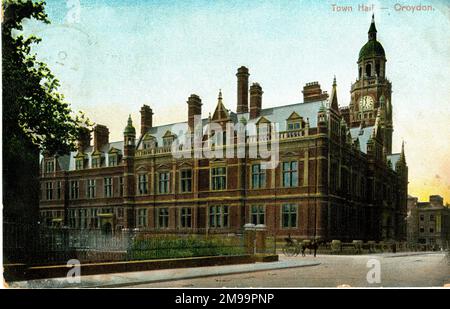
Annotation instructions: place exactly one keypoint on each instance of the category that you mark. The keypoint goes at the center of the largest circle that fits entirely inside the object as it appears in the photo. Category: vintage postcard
(225, 144)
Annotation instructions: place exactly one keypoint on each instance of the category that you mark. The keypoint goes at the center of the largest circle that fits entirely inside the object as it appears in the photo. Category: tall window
(143, 183)
(96, 161)
(186, 217)
(119, 212)
(289, 216)
(93, 218)
(121, 186)
(82, 218)
(72, 218)
(74, 189)
(258, 214)
(290, 174)
(108, 189)
(112, 160)
(186, 180)
(90, 192)
(219, 178)
(163, 218)
(49, 166)
(79, 164)
(163, 182)
(258, 177)
(218, 216)
(142, 218)
(58, 190)
(49, 187)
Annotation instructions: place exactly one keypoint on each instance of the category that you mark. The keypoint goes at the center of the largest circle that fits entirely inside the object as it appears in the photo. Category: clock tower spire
(372, 90)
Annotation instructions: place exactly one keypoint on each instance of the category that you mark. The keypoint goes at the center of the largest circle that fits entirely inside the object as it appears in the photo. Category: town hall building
(337, 177)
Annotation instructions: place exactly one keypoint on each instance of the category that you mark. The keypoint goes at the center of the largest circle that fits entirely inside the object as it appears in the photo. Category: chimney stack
(312, 92)
(84, 139)
(194, 109)
(146, 119)
(101, 136)
(242, 90)
(255, 100)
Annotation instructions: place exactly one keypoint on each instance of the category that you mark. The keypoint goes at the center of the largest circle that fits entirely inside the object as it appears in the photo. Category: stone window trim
(164, 181)
(142, 183)
(257, 211)
(293, 173)
(162, 217)
(185, 179)
(108, 187)
(220, 215)
(91, 188)
(289, 213)
(142, 218)
(260, 174)
(49, 190)
(185, 218)
(218, 178)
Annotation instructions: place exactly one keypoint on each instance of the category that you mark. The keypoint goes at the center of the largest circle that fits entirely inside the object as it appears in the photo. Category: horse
(314, 245)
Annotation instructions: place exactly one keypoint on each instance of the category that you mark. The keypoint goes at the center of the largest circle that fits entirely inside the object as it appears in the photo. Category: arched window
(368, 69)
(377, 68)
(360, 72)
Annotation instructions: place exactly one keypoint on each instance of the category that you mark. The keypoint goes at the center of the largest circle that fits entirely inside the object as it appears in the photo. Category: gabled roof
(221, 113)
(294, 116)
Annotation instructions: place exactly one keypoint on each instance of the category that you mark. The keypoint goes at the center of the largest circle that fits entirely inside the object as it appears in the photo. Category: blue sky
(114, 56)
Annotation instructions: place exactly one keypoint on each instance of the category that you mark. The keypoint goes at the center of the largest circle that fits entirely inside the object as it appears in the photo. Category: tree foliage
(32, 106)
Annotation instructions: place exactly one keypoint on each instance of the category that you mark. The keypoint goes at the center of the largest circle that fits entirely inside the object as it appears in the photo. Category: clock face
(366, 103)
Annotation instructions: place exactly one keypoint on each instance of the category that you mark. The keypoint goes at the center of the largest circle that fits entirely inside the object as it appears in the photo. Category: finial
(220, 94)
(372, 30)
(130, 121)
(334, 80)
(402, 155)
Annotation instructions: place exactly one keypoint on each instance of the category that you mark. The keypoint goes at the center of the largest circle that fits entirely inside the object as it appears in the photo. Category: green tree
(36, 117)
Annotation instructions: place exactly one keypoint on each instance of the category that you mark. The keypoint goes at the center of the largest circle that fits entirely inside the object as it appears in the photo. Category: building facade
(429, 222)
(335, 178)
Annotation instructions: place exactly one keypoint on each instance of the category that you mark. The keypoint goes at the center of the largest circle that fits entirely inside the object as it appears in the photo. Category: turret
(129, 137)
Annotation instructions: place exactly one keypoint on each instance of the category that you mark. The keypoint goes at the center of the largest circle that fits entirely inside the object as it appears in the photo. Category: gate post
(260, 232)
(250, 238)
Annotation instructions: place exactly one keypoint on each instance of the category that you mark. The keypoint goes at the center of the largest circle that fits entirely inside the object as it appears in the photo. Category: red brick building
(336, 177)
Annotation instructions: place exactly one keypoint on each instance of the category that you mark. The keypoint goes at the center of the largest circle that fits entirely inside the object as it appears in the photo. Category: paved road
(395, 271)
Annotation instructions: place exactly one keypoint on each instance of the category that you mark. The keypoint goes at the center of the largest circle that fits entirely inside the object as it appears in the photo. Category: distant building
(337, 177)
(428, 222)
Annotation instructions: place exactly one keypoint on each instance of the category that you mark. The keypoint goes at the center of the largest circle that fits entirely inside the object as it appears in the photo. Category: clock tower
(372, 90)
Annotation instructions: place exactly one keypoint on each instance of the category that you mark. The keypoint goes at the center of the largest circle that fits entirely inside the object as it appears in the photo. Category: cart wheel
(289, 250)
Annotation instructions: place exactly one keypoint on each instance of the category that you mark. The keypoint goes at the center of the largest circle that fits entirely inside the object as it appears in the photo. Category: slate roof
(363, 138)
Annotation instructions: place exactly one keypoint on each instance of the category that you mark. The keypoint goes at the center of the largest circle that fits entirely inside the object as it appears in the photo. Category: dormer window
(149, 142)
(80, 161)
(294, 126)
(263, 128)
(168, 139)
(96, 159)
(49, 166)
(96, 162)
(113, 157)
(294, 122)
(112, 160)
(79, 164)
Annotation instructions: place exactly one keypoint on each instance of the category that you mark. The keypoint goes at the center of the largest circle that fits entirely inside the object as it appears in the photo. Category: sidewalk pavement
(152, 276)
